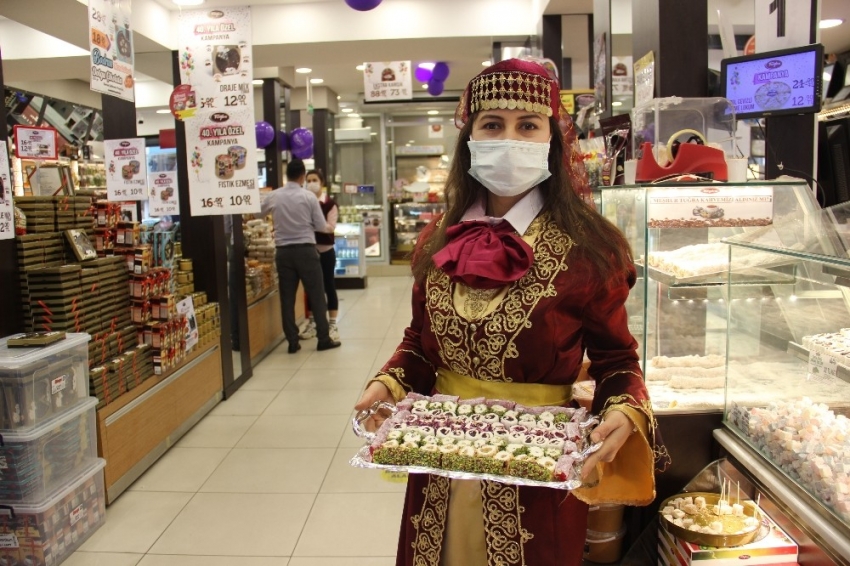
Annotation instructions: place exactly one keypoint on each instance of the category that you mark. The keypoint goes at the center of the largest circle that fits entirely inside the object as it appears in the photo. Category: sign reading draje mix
(221, 146)
(111, 48)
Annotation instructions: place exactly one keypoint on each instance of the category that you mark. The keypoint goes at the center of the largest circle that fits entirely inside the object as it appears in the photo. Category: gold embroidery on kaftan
(482, 354)
(503, 529)
(430, 522)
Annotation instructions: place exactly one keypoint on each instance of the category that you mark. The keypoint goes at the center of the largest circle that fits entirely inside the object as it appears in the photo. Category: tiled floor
(264, 479)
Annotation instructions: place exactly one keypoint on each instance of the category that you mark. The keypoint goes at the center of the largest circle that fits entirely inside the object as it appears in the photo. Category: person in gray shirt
(297, 216)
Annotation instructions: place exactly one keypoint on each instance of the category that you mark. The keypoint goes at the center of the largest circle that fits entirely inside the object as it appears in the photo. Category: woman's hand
(614, 430)
(376, 391)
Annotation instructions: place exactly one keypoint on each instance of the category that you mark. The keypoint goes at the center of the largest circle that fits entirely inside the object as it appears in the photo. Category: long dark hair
(595, 237)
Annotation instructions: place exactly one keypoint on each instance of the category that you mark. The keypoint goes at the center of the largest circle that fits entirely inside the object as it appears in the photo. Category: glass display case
(409, 219)
(677, 308)
(350, 244)
(788, 371)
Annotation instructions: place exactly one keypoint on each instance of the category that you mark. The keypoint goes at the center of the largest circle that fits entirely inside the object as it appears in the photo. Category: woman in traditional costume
(514, 286)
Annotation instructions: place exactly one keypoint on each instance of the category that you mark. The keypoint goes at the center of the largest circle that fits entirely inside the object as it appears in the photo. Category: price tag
(394, 477)
(822, 366)
(8, 540)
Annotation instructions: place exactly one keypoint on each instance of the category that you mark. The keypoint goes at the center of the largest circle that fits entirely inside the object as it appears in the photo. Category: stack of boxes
(260, 272)
(51, 487)
(107, 215)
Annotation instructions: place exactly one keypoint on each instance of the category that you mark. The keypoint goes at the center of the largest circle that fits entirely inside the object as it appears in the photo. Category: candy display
(488, 439)
(836, 344)
(808, 441)
(722, 519)
(46, 533)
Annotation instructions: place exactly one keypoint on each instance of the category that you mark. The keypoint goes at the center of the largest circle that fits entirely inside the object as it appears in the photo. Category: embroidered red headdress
(525, 84)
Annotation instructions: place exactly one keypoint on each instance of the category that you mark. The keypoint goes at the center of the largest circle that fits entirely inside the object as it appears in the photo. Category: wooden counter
(138, 428)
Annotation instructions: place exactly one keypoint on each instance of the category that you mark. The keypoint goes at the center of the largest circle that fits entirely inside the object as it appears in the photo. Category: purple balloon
(435, 87)
(265, 134)
(282, 141)
(422, 74)
(301, 143)
(363, 5)
(441, 72)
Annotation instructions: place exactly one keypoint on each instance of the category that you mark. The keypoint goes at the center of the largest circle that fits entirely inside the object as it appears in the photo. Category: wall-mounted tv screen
(789, 81)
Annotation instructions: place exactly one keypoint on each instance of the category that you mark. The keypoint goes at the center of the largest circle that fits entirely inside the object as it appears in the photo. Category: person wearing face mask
(297, 217)
(327, 255)
(514, 287)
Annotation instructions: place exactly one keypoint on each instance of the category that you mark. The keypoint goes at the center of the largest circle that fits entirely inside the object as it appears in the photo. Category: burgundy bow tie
(484, 256)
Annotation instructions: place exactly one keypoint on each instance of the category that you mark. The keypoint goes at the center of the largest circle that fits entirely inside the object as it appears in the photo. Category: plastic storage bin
(39, 383)
(36, 462)
(45, 534)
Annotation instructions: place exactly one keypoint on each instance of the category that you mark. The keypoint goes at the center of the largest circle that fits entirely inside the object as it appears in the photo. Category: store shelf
(754, 277)
(265, 326)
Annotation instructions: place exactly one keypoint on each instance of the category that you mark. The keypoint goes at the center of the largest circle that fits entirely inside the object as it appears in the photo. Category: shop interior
(741, 325)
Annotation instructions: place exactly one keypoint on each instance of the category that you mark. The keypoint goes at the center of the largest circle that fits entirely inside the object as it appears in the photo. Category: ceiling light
(317, 81)
(425, 85)
(373, 134)
(304, 70)
(257, 82)
(830, 23)
(429, 66)
(188, 2)
(354, 115)
(164, 111)
(433, 112)
(486, 63)
(389, 142)
(411, 142)
(347, 110)
(616, 103)
(338, 97)
(360, 67)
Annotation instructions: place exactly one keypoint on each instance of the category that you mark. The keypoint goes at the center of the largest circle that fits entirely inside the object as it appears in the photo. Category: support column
(323, 120)
(11, 312)
(205, 242)
(552, 42)
(601, 29)
(675, 32)
(271, 114)
(119, 118)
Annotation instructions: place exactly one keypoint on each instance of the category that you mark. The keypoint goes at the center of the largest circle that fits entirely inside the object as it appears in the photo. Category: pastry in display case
(409, 219)
(788, 378)
(677, 308)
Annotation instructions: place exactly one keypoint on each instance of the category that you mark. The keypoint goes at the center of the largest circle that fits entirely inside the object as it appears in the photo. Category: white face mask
(508, 167)
(314, 187)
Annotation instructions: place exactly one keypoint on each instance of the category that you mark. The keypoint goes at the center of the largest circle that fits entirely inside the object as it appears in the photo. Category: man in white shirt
(297, 216)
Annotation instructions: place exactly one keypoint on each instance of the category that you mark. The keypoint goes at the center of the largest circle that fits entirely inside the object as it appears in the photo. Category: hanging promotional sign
(35, 143)
(163, 199)
(387, 81)
(126, 174)
(220, 148)
(216, 60)
(622, 81)
(7, 210)
(644, 79)
(111, 48)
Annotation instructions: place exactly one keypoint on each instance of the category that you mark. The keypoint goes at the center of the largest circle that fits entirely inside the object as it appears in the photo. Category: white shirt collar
(520, 216)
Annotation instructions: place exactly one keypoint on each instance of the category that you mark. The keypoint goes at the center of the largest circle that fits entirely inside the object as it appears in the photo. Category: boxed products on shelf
(38, 383)
(48, 532)
(45, 457)
(124, 373)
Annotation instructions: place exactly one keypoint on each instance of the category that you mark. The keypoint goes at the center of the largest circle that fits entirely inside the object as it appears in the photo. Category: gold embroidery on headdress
(511, 90)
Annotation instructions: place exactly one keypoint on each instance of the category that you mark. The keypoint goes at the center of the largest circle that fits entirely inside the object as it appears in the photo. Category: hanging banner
(221, 149)
(387, 81)
(163, 199)
(644, 79)
(7, 210)
(216, 59)
(35, 143)
(127, 176)
(111, 46)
